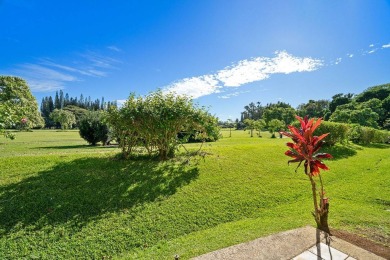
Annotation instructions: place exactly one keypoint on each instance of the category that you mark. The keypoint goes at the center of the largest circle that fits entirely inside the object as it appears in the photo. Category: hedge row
(342, 133)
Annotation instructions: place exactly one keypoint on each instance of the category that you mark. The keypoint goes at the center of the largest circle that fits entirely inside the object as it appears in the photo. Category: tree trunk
(324, 217)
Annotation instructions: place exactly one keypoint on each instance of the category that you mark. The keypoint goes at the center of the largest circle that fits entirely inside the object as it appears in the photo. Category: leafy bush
(154, 122)
(366, 135)
(338, 132)
(93, 129)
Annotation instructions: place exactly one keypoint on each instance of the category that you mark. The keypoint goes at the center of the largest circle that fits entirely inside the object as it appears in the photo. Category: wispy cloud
(386, 45)
(234, 94)
(243, 72)
(99, 61)
(47, 75)
(114, 48)
(350, 55)
(338, 60)
(42, 78)
(371, 45)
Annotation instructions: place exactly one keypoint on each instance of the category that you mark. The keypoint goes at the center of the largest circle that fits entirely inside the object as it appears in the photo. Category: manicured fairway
(60, 198)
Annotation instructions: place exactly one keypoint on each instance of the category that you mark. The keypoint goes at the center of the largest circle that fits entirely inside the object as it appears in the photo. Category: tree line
(371, 108)
(63, 106)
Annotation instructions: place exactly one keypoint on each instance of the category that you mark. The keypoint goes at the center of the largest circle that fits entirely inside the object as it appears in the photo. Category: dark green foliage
(338, 100)
(380, 92)
(93, 129)
(78, 106)
(314, 109)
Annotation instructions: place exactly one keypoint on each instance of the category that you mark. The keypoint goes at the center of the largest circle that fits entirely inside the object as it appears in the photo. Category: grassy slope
(61, 198)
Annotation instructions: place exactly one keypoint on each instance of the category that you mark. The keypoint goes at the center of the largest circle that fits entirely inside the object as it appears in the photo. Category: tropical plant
(304, 148)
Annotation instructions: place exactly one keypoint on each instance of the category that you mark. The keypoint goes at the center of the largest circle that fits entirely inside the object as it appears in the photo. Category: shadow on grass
(79, 191)
(341, 151)
(80, 146)
(377, 146)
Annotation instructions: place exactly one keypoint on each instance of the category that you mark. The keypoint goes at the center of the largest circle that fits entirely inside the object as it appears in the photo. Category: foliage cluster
(93, 129)
(370, 108)
(65, 118)
(154, 122)
(366, 135)
(17, 104)
(78, 106)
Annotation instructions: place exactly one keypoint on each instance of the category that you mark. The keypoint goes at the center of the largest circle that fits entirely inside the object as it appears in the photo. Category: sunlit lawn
(60, 198)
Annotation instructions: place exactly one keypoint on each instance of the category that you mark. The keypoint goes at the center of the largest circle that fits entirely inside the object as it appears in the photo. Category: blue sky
(225, 54)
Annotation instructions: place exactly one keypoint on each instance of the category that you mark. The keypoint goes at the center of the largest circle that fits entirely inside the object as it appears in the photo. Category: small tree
(65, 118)
(275, 125)
(231, 125)
(250, 125)
(304, 149)
(259, 124)
(92, 128)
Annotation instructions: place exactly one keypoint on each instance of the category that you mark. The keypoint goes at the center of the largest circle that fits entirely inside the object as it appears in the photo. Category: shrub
(338, 132)
(366, 135)
(93, 129)
(153, 122)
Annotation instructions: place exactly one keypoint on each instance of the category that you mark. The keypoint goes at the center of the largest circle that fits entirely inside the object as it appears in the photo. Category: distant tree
(57, 103)
(285, 114)
(275, 125)
(77, 111)
(339, 99)
(65, 118)
(314, 109)
(230, 125)
(250, 125)
(259, 125)
(380, 92)
(364, 117)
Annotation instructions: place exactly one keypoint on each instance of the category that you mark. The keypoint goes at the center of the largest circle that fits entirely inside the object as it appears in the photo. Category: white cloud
(38, 71)
(243, 72)
(234, 94)
(386, 45)
(371, 45)
(114, 48)
(44, 85)
(338, 60)
(372, 51)
(350, 55)
(47, 75)
(43, 79)
(96, 60)
(195, 87)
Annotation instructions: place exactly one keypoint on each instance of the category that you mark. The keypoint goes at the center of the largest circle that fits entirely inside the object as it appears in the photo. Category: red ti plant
(304, 148)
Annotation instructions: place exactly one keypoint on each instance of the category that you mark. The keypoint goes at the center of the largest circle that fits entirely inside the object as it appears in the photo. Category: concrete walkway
(303, 243)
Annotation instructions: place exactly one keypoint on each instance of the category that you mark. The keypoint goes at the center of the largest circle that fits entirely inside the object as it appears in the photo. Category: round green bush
(93, 129)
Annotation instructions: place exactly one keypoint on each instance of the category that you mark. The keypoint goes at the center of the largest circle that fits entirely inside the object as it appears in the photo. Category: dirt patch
(378, 249)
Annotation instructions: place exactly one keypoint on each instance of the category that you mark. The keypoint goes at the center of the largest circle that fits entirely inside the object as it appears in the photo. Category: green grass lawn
(60, 198)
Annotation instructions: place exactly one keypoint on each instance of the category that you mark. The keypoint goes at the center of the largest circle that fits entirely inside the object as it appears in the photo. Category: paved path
(303, 243)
